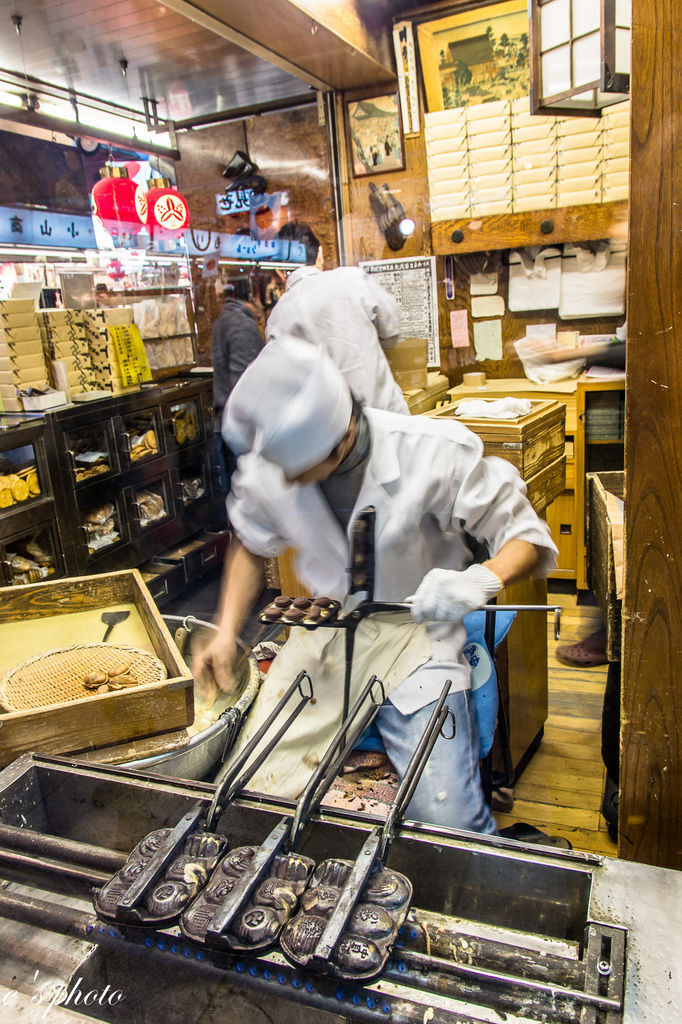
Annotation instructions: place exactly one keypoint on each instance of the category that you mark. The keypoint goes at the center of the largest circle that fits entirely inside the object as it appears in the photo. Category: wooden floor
(561, 790)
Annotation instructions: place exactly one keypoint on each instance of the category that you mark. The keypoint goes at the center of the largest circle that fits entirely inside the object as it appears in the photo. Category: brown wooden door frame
(651, 707)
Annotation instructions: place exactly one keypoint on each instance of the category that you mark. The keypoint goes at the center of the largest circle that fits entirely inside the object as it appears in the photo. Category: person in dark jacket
(236, 340)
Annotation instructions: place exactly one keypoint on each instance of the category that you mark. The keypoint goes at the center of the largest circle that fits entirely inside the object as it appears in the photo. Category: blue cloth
(449, 792)
(483, 680)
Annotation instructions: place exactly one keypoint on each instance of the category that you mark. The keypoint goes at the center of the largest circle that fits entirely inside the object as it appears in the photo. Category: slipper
(586, 653)
(525, 833)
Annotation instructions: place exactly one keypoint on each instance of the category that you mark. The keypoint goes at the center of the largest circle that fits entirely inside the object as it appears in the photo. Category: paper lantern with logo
(168, 210)
(115, 270)
(119, 203)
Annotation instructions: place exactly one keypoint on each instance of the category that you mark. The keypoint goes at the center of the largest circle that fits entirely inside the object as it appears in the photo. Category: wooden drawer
(198, 555)
(164, 580)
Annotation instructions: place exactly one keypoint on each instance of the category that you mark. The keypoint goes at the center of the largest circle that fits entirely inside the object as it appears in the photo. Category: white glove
(445, 595)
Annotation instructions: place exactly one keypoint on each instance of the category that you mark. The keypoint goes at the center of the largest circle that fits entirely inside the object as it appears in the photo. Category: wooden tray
(102, 719)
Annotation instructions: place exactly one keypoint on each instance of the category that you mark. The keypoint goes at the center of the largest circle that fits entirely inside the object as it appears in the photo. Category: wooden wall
(651, 738)
(292, 153)
(364, 241)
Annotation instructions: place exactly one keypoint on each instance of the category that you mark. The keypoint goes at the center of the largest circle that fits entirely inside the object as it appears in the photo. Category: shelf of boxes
(22, 361)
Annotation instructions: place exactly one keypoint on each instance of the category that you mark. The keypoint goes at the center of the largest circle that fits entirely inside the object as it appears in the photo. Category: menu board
(130, 352)
(412, 281)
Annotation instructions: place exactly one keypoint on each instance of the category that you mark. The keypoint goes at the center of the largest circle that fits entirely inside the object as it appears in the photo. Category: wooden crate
(425, 399)
(605, 552)
(35, 613)
(545, 487)
(531, 442)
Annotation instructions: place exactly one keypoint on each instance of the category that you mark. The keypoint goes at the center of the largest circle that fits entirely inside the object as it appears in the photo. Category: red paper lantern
(115, 270)
(168, 210)
(119, 202)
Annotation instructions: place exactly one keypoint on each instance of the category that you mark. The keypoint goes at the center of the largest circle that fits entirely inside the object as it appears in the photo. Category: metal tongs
(255, 890)
(351, 913)
(170, 865)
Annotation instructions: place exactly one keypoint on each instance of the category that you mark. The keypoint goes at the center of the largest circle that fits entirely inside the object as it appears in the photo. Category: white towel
(497, 409)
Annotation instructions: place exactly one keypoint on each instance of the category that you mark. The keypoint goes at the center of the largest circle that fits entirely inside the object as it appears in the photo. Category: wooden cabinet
(594, 442)
(601, 430)
(30, 550)
(111, 484)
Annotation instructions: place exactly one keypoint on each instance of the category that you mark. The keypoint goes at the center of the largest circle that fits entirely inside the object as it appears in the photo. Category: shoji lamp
(580, 55)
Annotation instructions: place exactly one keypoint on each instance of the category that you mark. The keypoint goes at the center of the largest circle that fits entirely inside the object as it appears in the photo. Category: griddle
(168, 866)
(352, 911)
(255, 890)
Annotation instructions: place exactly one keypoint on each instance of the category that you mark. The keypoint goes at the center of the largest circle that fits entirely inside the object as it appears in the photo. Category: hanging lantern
(168, 210)
(115, 270)
(119, 203)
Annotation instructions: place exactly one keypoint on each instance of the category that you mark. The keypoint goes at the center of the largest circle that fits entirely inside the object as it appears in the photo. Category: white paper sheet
(488, 339)
(487, 305)
(483, 284)
(534, 291)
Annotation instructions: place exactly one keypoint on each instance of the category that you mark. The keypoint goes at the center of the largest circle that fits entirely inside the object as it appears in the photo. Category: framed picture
(375, 138)
(477, 56)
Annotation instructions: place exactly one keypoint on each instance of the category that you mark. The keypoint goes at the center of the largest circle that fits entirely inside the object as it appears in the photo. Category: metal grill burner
(497, 932)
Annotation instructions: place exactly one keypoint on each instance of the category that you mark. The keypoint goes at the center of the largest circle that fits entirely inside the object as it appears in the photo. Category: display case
(165, 317)
(30, 544)
(140, 435)
(136, 475)
(91, 451)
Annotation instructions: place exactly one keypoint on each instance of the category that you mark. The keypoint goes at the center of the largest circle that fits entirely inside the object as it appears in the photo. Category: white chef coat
(352, 317)
(429, 484)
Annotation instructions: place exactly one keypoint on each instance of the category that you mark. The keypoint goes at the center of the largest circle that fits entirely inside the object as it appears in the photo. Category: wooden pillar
(651, 738)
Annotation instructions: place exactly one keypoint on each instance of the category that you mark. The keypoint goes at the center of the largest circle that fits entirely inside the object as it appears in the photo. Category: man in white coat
(312, 459)
(349, 314)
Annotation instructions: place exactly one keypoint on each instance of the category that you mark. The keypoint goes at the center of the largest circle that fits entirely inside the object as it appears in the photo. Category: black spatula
(111, 619)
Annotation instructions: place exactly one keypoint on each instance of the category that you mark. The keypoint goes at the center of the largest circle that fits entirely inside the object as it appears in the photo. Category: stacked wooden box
(22, 362)
(534, 443)
(101, 346)
(64, 340)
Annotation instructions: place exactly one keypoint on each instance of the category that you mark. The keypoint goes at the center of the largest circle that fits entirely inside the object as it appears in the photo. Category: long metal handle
(415, 768)
(373, 607)
(376, 845)
(286, 830)
(229, 781)
(352, 727)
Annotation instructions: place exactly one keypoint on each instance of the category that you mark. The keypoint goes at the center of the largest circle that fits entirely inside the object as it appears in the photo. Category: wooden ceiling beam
(322, 44)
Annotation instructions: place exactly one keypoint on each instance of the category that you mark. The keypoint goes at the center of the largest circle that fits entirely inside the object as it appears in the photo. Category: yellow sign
(130, 352)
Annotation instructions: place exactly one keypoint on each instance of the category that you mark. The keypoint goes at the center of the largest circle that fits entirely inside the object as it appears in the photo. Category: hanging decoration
(168, 210)
(115, 270)
(118, 203)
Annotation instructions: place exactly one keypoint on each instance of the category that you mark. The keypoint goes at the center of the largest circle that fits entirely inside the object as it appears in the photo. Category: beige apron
(390, 646)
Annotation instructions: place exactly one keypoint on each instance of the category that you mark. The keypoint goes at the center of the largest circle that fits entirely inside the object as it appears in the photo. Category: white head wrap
(291, 405)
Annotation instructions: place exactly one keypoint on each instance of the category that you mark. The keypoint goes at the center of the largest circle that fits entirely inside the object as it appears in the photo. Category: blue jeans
(449, 792)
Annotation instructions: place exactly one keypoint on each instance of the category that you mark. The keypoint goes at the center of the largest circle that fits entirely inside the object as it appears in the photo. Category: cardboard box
(21, 334)
(18, 320)
(10, 347)
(604, 539)
(60, 317)
(30, 361)
(35, 378)
(98, 720)
(15, 306)
(424, 399)
(50, 400)
(9, 401)
(408, 360)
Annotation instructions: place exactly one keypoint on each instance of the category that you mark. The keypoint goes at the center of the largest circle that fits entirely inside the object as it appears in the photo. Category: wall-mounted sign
(412, 281)
(243, 247)
(236, 201)
(23, 226)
